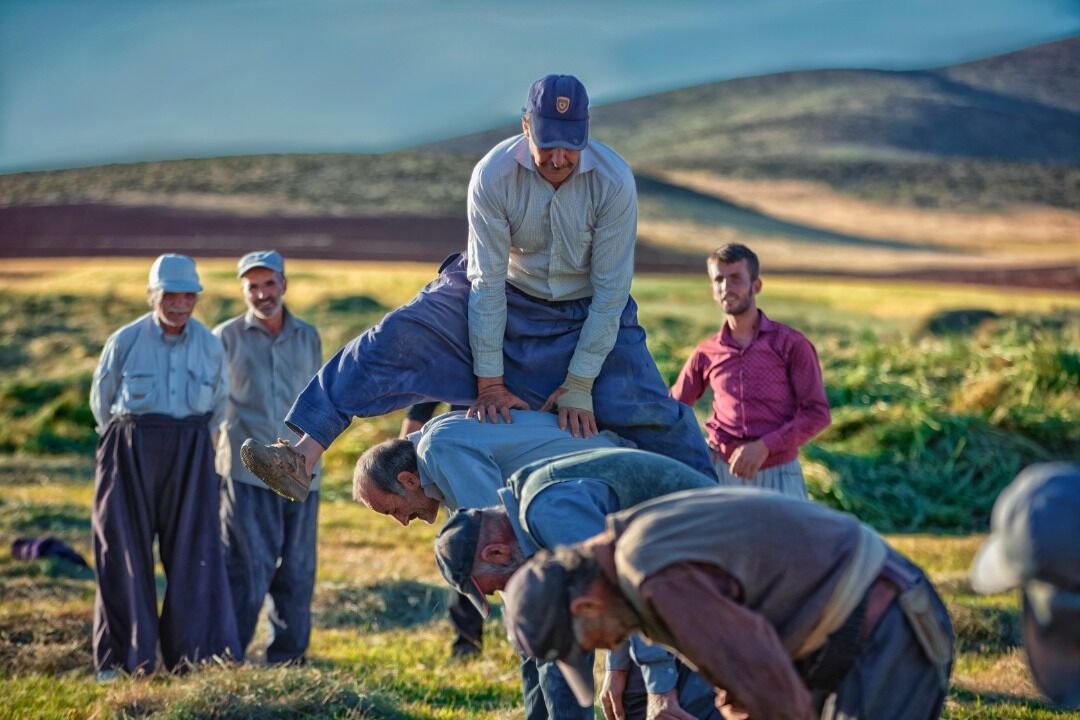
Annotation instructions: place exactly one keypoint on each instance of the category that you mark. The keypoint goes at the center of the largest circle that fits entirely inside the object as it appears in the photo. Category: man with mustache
(537, 315)
(768, 396)
(269, 541)
(158, 393)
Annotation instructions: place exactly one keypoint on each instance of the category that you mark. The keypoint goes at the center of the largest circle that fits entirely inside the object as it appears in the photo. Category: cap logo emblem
(562, 103)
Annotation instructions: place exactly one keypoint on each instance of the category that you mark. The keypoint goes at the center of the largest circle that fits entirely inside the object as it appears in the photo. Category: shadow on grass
(246, 692)
(57, 642)
(993, 705)
(26, 519)
(380, 607)
(984, 629)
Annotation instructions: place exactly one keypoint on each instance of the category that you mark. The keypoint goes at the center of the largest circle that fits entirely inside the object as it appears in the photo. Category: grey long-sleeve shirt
(266, 373)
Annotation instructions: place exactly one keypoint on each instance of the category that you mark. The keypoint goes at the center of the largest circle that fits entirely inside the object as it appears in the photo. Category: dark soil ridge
(97, 230)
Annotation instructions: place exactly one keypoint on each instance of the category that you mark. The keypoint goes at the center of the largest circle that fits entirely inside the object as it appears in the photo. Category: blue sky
(84, 82)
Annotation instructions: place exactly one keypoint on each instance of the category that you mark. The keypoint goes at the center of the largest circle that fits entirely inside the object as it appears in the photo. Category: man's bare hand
(665, 706)
(728, 710)
(611, 694)
(493, 400)
(581, 422)
(748, 459)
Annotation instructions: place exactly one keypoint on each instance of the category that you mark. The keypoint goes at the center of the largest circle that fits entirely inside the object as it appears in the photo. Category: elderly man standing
(269, 541)
(768, 396)
(538, 315)
(159, 389)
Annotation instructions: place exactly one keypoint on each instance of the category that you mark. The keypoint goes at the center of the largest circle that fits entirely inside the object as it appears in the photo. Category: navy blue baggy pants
(270, 550)
(155, 477)
(420, 352)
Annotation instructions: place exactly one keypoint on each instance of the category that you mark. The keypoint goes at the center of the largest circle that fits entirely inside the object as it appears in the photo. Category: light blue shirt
(571, 512)
(142, 370)
(463, 462)
(574, 242)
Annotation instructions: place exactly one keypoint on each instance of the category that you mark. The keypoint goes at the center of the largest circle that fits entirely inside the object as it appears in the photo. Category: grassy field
(939, 395)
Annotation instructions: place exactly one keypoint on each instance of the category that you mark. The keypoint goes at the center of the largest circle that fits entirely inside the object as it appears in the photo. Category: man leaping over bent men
(537, 315)
(455, 462)
(562, 501)
(789, 609)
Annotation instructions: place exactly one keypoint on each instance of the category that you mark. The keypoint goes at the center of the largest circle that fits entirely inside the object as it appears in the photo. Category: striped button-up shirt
(565, 244)
(143, 370)
(266, 374)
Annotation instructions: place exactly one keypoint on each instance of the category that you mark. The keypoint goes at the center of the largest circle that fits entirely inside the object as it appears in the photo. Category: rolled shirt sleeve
(611, 273)
(489, 256)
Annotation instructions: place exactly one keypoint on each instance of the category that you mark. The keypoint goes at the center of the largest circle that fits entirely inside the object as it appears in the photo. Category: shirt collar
(587, 163)
(251, 322)
(159, 331)
(513, 512)
(764, 325)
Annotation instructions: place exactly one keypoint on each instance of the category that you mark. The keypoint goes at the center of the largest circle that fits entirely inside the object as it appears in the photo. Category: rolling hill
(973, 166)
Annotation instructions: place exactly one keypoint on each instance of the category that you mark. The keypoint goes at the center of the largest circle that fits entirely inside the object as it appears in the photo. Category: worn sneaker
(279, 466)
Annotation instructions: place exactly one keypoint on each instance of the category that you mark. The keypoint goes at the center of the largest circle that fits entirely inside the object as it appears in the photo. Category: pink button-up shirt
(771, 390)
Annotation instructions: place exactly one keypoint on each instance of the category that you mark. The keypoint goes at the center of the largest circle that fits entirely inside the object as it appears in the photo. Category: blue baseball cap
(174, 273)
(558, 111)
(270, 259)
(1034, 544)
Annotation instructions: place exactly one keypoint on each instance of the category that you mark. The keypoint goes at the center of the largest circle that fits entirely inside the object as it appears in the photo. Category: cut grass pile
(930, 420)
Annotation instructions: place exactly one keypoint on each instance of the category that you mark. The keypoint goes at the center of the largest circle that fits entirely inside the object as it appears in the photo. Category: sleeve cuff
(660, 677)
(488, 364)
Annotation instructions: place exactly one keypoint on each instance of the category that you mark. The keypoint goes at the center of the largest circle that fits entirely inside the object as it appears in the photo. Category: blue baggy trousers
(420, 352)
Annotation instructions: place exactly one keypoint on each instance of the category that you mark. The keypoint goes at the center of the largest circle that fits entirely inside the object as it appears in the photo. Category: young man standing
(768, 396)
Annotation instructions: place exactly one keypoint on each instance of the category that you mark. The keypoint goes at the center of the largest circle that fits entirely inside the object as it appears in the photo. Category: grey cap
(536, 611)
(1034, 543)
(174, 273)
(455, 550)
(261, 258)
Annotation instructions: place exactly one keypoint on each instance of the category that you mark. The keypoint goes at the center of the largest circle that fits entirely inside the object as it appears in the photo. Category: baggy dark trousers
(420, 352)
(270, 550)
(892, 679)
(155, 476)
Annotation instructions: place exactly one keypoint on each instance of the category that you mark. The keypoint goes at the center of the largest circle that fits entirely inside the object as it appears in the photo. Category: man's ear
(496, 553)
(409, 479)
(587, 606)
(757, 286)
(525, 125)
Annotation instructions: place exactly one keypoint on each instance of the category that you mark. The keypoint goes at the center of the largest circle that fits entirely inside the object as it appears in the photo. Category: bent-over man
(456, 463)
(1034, 544)
(768, 396)
(564, 501)
(269, 541)
(158, 390)
(789, 609)
(537, 315)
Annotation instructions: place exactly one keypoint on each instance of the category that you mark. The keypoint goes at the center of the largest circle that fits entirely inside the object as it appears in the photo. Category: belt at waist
(162, 420)
(823, 670)
(542, 301)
